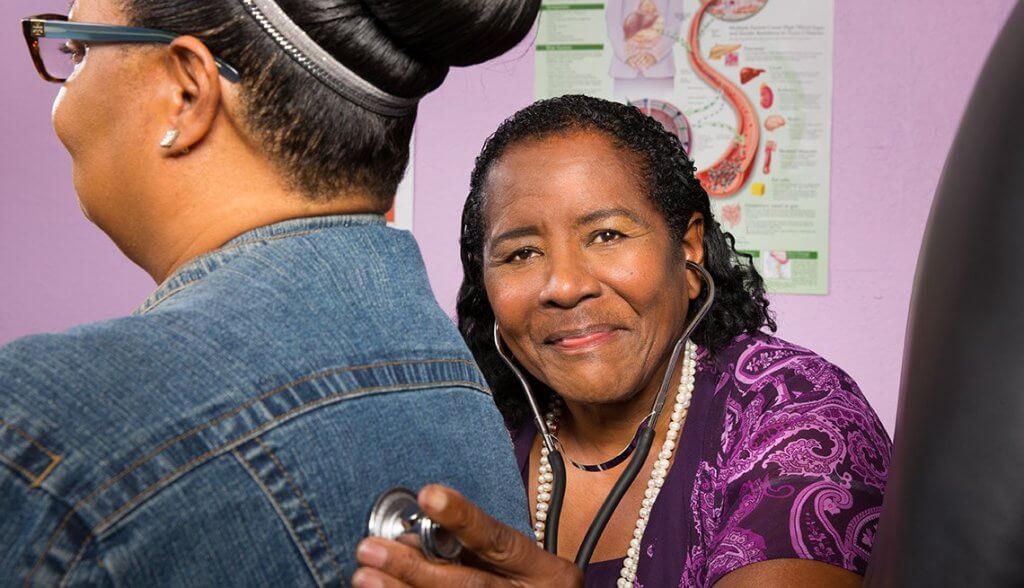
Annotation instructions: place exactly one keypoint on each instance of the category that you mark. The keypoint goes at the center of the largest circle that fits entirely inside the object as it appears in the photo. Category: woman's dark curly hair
(740, 304)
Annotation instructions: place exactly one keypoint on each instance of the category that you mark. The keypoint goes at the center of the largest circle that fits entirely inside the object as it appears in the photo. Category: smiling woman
(583, 238)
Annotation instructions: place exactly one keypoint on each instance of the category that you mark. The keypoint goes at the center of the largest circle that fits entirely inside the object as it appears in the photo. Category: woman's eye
(521, 255)
(606, 236)
(73, 51)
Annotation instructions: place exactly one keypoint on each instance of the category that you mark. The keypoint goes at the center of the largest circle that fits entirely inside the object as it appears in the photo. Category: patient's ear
(193, 94)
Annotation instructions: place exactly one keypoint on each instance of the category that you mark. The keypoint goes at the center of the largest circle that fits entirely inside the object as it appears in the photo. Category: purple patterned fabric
(781, 457)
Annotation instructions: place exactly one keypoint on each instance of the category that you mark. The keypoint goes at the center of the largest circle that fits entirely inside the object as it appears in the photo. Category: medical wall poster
(400, 215)
(746, 86)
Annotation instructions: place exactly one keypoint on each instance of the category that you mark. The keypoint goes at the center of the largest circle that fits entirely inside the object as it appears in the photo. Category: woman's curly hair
(740, 305)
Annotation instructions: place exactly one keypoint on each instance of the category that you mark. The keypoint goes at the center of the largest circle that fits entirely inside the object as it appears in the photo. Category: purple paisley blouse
(780, 457)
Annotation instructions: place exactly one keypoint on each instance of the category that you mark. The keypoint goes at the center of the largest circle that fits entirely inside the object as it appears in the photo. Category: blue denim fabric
(236, 428)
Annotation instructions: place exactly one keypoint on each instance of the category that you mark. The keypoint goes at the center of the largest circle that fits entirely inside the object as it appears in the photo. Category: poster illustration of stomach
(745, 86)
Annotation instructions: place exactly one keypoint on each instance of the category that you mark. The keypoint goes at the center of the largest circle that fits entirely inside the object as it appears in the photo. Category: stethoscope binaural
(643, 449)
(396, 514)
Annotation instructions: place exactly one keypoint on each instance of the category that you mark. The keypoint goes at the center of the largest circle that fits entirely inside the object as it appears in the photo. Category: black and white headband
(322, 65)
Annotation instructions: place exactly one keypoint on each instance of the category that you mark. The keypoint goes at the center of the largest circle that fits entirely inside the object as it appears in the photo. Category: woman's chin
(597, 392)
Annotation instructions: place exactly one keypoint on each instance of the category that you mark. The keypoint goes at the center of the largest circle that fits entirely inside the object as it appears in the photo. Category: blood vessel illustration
(726, 176)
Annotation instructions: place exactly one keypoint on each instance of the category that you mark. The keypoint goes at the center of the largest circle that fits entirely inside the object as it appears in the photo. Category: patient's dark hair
(322, 143)
(663, 167)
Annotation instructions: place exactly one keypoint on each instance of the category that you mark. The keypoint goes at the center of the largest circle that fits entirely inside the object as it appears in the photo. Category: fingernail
(362, 579)
(371, 554)
(436, 499)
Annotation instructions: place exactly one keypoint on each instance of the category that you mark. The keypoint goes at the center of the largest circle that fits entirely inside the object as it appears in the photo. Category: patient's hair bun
(455, 32)
(405, 47)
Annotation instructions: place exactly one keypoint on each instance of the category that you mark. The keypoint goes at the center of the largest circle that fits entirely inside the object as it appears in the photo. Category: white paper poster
(746, 87)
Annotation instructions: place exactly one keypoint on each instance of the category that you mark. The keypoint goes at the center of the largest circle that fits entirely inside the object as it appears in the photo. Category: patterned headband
(321, 64)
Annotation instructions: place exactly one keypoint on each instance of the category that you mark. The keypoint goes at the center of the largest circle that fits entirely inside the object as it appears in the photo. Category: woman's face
(100, 117)
(588, 286)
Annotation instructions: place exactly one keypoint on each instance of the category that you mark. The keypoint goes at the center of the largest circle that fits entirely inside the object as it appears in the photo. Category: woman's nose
(569, 282)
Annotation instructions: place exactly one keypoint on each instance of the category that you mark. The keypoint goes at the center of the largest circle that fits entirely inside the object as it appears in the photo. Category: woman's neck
(594, 433)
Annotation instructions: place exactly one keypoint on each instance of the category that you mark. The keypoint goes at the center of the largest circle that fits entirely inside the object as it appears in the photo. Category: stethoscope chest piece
(396, 514)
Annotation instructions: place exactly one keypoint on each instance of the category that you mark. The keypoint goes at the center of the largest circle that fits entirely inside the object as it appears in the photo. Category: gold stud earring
(170, 138)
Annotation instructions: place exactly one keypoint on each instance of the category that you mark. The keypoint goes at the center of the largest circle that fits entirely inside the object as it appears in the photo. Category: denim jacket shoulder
(273, 329)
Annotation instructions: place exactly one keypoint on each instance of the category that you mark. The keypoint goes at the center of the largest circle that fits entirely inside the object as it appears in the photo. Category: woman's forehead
(565, 173)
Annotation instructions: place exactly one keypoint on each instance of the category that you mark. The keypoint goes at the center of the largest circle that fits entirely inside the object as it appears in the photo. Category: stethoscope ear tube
(611, 502)
(557, 497)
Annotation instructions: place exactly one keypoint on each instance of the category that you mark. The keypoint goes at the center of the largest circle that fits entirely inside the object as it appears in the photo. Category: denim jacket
(236, 429)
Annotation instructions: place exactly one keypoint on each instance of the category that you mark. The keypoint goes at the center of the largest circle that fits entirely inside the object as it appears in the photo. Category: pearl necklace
(545, 478)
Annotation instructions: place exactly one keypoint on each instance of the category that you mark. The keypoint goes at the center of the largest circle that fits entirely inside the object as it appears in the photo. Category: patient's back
(236, 429)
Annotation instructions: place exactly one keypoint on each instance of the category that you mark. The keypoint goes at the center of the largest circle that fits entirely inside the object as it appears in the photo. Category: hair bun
(455, 32)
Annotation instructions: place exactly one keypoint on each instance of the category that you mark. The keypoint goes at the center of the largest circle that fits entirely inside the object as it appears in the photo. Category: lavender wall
(903, 73)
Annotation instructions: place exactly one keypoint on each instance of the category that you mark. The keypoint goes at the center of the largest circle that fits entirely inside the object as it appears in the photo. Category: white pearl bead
(638, 532)
(542, 507)
(649, 493)
(670, 445)
(539, 525)
(544, 497)
(624, 583)
(542, 516)
(672, 435)
(634, 543)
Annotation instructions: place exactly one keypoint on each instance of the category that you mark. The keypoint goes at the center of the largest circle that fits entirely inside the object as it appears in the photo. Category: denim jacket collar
(201, 266)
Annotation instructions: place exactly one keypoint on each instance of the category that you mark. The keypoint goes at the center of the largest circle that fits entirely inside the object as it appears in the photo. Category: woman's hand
(494, 555)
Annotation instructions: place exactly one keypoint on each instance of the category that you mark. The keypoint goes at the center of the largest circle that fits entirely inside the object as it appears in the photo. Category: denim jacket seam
(110, 520)
(227, 446)
(71, 513)
(217, 252)
(306, 556)
(75, 561)
(305, 504)
(260, 240)
(36, 479)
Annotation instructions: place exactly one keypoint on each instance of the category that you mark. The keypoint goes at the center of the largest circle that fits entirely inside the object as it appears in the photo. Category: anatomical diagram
(642, 34)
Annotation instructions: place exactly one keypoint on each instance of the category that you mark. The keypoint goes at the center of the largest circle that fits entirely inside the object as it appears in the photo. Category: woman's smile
(583, 340)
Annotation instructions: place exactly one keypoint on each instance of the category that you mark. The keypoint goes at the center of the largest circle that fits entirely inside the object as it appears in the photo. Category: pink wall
(903, 72)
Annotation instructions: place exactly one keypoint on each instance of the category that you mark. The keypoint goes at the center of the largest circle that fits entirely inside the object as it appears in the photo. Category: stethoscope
(396, 513)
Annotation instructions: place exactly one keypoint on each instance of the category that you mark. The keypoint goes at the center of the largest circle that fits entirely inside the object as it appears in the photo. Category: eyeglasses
(52, 40)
